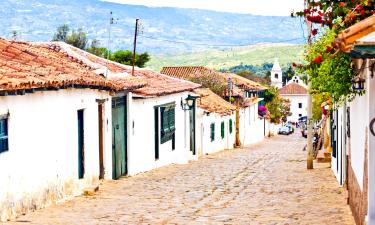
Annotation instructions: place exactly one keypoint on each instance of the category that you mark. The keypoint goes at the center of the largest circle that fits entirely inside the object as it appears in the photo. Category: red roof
(185, 72)
(157, 84)
(25, 66)
(293, 89)
(211, 102)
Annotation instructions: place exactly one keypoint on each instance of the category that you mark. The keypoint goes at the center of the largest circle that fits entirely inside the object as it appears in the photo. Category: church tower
(276, 75)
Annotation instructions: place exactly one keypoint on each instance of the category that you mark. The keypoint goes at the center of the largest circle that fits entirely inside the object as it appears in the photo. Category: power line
(212, 45)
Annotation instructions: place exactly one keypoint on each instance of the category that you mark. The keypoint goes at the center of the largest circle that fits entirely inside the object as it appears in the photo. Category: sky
(256, 7)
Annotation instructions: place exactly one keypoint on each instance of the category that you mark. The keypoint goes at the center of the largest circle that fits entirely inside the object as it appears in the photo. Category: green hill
(224, 59)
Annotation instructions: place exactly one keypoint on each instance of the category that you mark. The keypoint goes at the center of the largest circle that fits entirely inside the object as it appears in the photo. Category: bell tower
(276, 75)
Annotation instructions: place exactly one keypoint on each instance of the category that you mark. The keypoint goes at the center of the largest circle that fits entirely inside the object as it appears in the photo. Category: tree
(97, 50)
(278, 107)
(76, 38)
(214, 83)
(61, 33)
(126, 57)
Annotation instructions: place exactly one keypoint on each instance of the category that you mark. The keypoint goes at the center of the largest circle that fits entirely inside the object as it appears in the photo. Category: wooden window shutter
(212, 126)
(222, 130)
(230, 125)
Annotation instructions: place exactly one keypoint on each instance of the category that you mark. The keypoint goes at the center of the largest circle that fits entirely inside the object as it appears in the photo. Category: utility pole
(310, 155)
(111, 21)
(135, 44)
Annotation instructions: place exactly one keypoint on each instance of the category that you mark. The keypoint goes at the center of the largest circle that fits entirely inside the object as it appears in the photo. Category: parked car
(291, 128)
(284, 130)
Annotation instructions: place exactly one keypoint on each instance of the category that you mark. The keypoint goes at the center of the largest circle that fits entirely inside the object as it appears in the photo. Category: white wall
(141, 138)
(251, 126)
(41, 165)
(294, 107)
(358, 124)
(338, 163)
(204, 144)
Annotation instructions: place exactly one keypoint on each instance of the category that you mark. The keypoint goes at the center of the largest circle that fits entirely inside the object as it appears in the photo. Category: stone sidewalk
(262, 184)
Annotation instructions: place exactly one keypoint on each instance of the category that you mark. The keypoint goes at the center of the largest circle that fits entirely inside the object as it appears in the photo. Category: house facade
(215, 122)
(249, 127)
(354, 123)
(297, 94)
(55, 120)
(152, 112)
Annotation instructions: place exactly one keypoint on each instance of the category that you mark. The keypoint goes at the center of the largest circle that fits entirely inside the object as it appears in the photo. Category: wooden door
(81, 153)
(192, 130)
(119, 154)
(101, 139)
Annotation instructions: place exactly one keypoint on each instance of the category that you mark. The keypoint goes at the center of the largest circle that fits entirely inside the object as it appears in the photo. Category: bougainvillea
(325, 12)
(328, 68)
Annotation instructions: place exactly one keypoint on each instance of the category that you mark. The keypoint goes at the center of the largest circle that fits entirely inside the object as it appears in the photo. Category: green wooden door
(119, 154)
(81, 154)
(192, 129)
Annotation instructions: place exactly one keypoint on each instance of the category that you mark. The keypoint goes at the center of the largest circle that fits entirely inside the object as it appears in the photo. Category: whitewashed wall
(251, 126)
(41, 165)
(338, 163)
(204, 144)
(294, 107)
(141, 135)
(358, 124)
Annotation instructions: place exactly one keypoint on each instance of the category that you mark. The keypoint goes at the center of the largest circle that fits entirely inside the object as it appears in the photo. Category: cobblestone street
(263, 184)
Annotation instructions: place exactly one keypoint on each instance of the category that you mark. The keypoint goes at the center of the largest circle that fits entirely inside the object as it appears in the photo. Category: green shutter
(222, 130)
(230, 126)
(212, 126)
(167, 118)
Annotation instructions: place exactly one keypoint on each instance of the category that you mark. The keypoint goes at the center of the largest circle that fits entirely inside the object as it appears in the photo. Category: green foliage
(317, 100)
(329, 73)
(224, 59)
(278, 107)
(97, 50)
(270, 94)
(126, 57)
(214, 83)
(61, 33)
(77, 38)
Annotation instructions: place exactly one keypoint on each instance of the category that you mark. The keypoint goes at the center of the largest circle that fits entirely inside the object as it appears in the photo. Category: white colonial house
(215, 122)
(353, 124)
(69, 118)
(249, 127)
(297, 93)
(152, 126)
(55, 125)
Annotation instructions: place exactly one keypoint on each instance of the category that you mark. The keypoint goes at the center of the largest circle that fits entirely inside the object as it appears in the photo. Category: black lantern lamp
(188, 103)
(358, 83)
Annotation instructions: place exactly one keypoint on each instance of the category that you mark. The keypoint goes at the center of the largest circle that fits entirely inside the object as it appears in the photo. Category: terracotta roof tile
(351, 35)
(25, 65)
(157, 84)
(293, 89)
(211, 102)
(185, 72)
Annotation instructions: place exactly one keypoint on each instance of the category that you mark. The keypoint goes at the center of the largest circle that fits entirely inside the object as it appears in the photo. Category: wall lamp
(188, 103)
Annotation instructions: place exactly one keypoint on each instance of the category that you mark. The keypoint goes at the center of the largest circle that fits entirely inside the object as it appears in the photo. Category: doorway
(81, 152)
(101, 139)
(119, 136)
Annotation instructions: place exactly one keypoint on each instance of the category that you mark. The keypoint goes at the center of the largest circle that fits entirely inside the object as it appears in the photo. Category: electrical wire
(212, 45)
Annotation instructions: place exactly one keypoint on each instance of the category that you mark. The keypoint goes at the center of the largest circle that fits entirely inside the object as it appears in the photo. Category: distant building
(297, 94)
(276, 75)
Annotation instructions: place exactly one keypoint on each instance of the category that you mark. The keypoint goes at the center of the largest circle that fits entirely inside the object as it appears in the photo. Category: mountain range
(163, 30)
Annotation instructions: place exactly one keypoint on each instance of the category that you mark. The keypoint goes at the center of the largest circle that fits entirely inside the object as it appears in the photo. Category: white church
(295, 90)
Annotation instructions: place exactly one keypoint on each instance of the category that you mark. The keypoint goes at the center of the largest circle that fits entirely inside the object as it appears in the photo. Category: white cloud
(257, 7)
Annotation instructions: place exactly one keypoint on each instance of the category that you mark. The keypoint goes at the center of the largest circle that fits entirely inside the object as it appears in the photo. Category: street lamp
(358, 83)
(188, 103)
